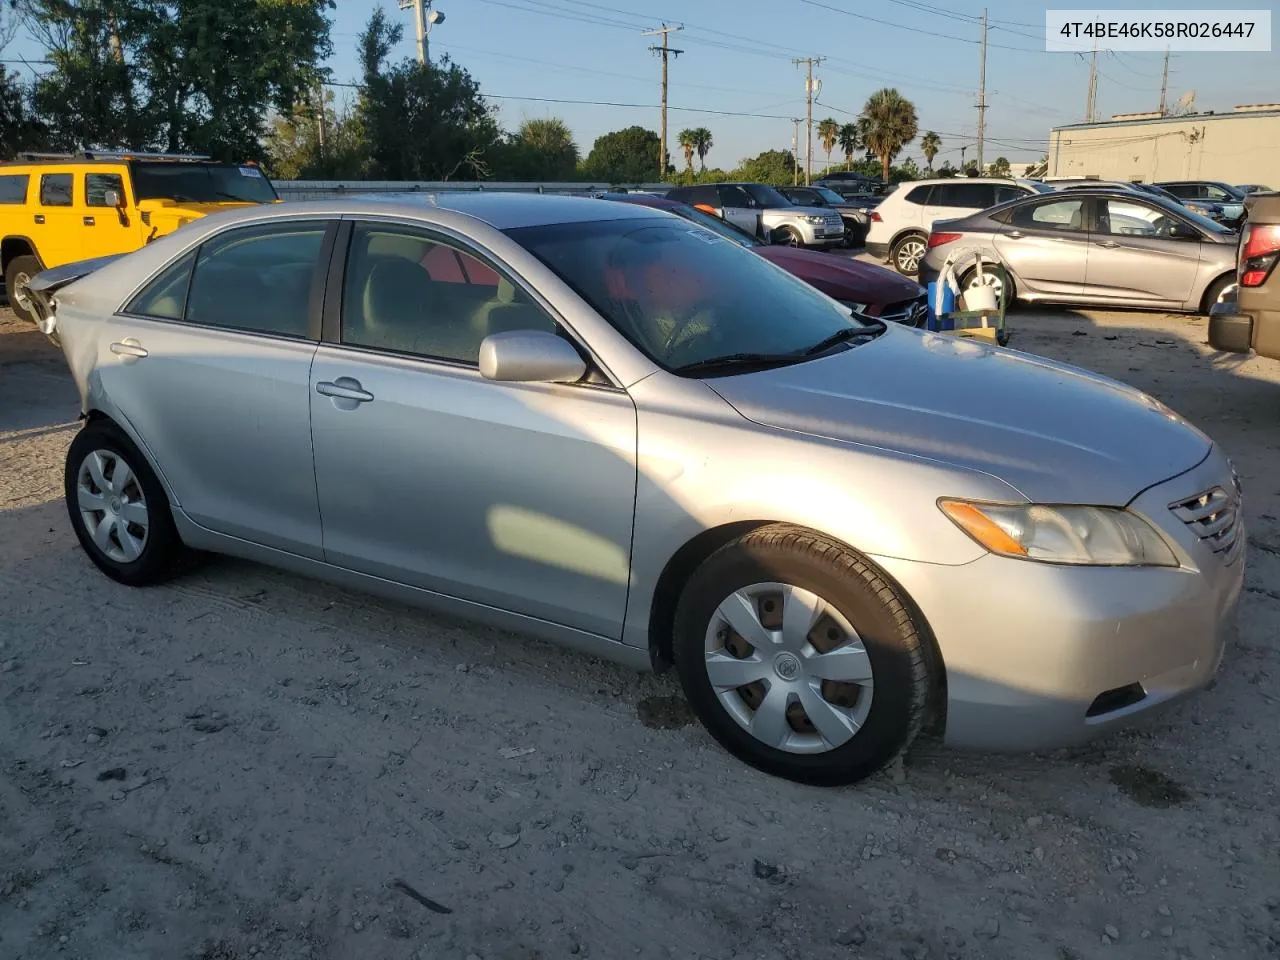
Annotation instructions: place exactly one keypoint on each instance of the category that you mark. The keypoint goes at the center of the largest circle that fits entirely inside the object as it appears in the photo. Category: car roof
(502, 211)
(644, 200)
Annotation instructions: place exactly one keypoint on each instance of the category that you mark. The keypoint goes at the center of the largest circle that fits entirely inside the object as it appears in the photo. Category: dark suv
(1230, 198)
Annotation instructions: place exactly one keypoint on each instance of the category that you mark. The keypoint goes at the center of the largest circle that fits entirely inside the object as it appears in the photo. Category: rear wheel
(907, 252)
(799, 657)
(1215, 291)
(16, 278)
(119, 510)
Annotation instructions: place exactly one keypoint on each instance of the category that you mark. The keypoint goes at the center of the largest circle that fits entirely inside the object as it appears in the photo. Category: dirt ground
(245, 764)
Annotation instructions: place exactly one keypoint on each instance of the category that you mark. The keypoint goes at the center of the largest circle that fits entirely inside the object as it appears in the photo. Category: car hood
(842, 277)
(1055, 433)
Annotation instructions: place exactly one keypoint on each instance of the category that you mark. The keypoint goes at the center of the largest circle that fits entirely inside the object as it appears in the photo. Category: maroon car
(870, 289)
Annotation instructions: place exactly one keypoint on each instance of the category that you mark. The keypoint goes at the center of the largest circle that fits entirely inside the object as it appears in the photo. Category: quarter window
(55, 190)
(97, 185)
(257, 279)
(408, 292)
(1054, 215)
(13, 188)
(918, 195)
(165, 297)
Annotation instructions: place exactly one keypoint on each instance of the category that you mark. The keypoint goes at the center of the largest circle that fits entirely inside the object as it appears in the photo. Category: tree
(178, 75)
(930, 144)
(690, 146)
(702, 144)
(887, 124)
(19, 130)
(828, 136)
(970, 168)
(1000, 168)
(294, 151)
(421, 123)
(623, 156)
(946, 170)
(548, 148)
(850, 143)
(772, 166)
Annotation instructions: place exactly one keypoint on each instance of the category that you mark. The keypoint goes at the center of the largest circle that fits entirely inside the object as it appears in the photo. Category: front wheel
(907, 252)
(800, 658)
(16, 278)
(790, 237)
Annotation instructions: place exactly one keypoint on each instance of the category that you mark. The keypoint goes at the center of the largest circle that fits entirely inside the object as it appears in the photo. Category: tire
(137, 547)
(864, 723)
(1214, 291)
(793, 238)
(16, 276)
(907, 252)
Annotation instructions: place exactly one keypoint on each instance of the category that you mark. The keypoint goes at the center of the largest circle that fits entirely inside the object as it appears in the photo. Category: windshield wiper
(732, 360)
(873, 329)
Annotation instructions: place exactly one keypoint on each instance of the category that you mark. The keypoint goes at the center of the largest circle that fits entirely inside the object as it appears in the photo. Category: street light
(424, 19)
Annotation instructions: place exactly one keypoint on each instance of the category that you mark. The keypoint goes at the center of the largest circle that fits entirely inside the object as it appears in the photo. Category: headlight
(855, 306)
(1099, 536)
(815, 219)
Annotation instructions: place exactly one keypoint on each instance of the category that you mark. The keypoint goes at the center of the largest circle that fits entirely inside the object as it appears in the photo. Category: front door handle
(1109, 244)
(39, 218)
(128, 347)
(1014, 234)
(344, 388)
(88, 221)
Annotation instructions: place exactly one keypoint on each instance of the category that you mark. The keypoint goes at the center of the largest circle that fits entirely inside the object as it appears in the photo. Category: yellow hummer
(60, 208)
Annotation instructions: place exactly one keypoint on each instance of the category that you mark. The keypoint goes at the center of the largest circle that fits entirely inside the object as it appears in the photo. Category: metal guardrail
(325, 189)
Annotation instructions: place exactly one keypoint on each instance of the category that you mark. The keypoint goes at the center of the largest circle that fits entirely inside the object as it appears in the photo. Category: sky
(738, 54)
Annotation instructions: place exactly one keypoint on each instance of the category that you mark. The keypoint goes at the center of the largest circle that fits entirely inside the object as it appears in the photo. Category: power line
(904, 26)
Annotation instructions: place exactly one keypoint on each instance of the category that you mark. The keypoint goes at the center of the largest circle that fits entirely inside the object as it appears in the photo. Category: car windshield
(766, 196)
(200, 182)
(686, 297)
(714, 223)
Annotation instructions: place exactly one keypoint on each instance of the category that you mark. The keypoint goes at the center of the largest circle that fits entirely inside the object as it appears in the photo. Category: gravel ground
(248, 764)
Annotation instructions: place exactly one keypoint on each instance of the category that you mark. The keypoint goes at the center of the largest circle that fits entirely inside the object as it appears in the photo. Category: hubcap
(789, 668)
(112, 506)
(909, 255)
(988, 280)
(19, 292)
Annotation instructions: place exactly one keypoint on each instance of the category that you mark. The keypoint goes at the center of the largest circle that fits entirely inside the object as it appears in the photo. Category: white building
(1241, 146)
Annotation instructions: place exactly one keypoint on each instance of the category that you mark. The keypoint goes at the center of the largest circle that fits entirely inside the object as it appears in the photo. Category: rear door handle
(1109, 244)
(1014, 234)
(344, 388)
(39, 218)
(129, 347)
(88, 221)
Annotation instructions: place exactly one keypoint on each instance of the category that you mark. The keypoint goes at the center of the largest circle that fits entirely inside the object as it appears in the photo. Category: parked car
(856, 218)
(56, 209)
(871, 290)
(1108, 247)
(591, 422)
(1226, 196)
(1248, 188)
(900, 224)
(1248, 317)
(763, 211)
(1203, 207)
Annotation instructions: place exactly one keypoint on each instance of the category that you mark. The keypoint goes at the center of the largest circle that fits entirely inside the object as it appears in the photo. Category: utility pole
(420, 24)
(982, 93)
(1091, 104)
(320, 116)
(809, 94)
(795, 148)
(1164, 81)
(664, 52)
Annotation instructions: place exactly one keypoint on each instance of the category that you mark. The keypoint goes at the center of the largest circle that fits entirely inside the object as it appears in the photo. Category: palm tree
(690, 146)
(930, 144)
(887, 124)
(850, 143)
(702, 144)
(828, 134)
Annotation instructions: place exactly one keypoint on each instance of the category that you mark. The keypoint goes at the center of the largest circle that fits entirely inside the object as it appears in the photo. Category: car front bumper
(1039, 656)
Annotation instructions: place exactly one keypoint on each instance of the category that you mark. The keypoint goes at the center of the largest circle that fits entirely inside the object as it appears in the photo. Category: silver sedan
(1105, 247)
(606, 426)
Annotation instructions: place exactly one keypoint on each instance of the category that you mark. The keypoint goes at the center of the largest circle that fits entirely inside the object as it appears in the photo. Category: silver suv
(763, 211)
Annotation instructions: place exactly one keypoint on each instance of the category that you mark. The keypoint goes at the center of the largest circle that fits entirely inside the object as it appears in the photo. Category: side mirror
(114, 199)
(1181, 231)
(530, 356)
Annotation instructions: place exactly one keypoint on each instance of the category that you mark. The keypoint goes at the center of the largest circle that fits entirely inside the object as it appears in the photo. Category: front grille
(909, 313)
(833, 222)
(1214, 517)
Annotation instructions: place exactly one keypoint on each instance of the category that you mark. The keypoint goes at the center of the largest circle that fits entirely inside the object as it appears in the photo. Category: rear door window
(55, 190)
(706, 195)
(973, 196)
(13, 188)
(1064, 215)
(732, 195)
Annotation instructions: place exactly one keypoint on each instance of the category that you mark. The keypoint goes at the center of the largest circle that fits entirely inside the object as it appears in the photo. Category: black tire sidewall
(24, 264)
(158, 560)
(896, 698)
